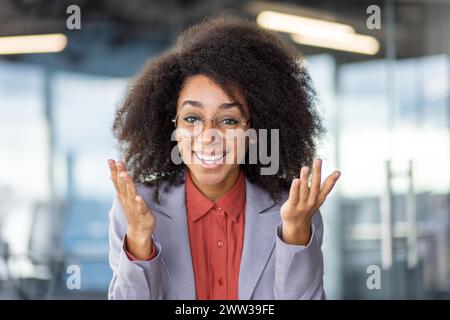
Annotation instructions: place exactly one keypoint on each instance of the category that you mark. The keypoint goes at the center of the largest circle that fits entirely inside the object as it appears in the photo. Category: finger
(124, 166)
(304, 189)
(328, 185)
(315, 184)
(113, 171)
(129, 185)
(120, 181)
(142, 207)
(294, 192)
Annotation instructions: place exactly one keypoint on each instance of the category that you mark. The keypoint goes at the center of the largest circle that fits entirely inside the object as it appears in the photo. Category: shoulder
(170, 195)
(147, 192)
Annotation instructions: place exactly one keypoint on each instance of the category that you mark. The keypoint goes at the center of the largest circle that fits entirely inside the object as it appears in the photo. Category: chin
(210, 176)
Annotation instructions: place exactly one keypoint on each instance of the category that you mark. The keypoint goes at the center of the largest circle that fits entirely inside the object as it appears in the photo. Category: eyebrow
(223, 106)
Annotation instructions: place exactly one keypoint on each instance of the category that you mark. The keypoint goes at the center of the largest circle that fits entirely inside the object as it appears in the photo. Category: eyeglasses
(193, 124)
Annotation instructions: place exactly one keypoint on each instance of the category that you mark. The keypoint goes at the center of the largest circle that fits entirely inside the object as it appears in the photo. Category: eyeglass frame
(243, 122)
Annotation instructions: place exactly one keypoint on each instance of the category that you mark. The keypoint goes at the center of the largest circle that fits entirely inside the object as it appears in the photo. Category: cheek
(238, 146)
(184, 145)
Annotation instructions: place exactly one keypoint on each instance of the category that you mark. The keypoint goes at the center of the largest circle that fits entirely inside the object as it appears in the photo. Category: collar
(232, 202)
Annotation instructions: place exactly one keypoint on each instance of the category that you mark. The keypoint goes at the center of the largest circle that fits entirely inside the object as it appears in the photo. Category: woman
(196, 215)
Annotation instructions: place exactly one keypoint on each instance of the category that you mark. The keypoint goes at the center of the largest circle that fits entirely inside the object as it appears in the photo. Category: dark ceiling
(125, 33)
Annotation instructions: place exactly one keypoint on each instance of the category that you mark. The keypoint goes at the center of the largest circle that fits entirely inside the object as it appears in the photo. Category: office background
(384, 94)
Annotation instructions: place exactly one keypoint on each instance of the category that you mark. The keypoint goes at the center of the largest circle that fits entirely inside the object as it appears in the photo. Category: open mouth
(209, 159)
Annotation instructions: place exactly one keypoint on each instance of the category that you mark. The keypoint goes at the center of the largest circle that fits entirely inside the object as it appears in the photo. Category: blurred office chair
(35, 274)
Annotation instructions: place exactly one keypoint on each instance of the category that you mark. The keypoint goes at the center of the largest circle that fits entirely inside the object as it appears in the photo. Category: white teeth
(205, 157)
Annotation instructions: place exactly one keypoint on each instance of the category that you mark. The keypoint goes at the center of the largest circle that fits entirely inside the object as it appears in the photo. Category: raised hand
(141, 221)
(297, 211)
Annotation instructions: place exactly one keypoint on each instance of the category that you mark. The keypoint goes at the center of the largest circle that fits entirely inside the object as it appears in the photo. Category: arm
(131, 279)
(153, 254)
(299, 261)
(299, 268)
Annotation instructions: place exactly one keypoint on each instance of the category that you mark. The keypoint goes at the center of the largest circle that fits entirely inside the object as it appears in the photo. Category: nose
(209, 134)
(208, 124)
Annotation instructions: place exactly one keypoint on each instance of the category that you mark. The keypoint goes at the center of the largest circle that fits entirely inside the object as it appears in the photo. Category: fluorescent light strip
(352, 43)
(319, 33)
(33, 44)
(296, 24)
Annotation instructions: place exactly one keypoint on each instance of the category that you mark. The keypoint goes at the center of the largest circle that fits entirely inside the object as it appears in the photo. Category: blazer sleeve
(299, 269)
(138, 280)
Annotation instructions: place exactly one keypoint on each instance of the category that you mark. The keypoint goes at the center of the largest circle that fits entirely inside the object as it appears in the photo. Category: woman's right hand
(141, 221)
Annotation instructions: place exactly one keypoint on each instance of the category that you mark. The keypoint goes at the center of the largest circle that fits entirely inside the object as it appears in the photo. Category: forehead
(209, 94)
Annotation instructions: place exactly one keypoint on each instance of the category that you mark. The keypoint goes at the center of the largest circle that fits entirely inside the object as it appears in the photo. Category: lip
(209, 154)
(210, 164)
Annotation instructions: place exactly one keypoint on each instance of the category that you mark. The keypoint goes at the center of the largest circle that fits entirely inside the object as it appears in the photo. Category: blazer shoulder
(168, 195)
(284, 196)
(146, 192)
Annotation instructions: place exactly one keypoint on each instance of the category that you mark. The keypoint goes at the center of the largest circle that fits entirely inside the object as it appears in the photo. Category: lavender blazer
(270, 268)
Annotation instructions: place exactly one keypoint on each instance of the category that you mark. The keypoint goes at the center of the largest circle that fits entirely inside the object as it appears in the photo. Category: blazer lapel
(259, 237)
(172, 232)
(261, 217)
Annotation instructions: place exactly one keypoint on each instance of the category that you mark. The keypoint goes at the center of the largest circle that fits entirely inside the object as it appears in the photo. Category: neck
(215, 192)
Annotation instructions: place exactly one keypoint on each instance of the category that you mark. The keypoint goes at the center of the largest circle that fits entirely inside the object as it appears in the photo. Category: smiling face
(214, 152)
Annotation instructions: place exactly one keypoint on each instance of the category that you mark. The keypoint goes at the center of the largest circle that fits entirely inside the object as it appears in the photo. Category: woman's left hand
(303, 202)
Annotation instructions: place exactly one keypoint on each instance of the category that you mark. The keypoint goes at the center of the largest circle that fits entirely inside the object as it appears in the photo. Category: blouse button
(220, 282)
(220, 243)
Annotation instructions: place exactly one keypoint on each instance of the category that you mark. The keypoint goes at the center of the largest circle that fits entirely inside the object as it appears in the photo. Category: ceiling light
(33, 44)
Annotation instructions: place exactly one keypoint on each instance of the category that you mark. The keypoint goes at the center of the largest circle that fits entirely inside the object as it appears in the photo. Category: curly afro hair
(234, 53)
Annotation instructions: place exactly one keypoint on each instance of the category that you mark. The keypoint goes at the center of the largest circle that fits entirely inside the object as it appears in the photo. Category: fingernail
(337, 174)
